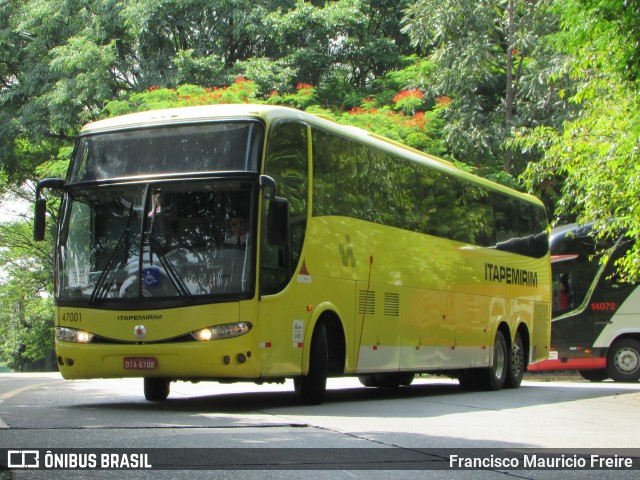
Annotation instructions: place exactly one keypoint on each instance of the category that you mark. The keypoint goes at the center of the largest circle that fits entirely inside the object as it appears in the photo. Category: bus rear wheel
(623, 360)
(156, 389)
(311, 388)
(493, 378)
(515, 370)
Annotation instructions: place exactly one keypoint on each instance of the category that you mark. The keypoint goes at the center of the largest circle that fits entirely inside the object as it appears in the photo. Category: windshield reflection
(207, 147)
(157, 241)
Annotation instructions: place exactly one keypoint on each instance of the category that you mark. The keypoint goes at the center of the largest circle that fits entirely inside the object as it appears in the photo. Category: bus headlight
(228, 330)
(73, 335)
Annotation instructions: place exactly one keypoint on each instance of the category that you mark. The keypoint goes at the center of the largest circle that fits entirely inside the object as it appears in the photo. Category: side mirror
(40, 213)
(278, 222)
(40, 219)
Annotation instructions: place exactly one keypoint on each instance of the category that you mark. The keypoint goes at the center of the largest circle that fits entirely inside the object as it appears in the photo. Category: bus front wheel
(623, 360)
(311, 388)
(156, 389)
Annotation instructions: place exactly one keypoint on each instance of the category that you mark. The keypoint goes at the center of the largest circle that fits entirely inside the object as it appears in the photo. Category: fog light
(217, 332)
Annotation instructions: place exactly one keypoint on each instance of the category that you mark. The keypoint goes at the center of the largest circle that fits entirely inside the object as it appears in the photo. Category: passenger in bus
(156, 207)
(239, 235)
(564, 297)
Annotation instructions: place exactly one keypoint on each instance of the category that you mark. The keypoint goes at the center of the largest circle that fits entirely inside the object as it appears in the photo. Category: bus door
(282, 306)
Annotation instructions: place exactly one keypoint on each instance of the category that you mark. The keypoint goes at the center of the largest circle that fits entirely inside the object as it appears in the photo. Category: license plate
(140, 363)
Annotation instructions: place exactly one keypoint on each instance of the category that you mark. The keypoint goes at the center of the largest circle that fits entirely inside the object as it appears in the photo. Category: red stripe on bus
(570, 364)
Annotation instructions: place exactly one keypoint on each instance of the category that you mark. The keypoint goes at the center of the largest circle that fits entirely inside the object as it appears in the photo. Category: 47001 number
(71, 317)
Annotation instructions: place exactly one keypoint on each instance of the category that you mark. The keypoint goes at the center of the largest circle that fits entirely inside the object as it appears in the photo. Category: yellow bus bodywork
(405, 301)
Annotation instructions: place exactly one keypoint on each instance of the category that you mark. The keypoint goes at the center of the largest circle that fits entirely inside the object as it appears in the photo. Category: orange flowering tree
(402, 117)
(408, 100)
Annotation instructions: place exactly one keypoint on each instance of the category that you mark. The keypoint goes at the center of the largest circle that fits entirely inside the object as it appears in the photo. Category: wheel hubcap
(517, 359)
(499, 361)
(627, 361)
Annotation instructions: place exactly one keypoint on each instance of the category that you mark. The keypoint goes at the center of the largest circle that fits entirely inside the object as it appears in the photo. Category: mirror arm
(267, 181)
(54, 183)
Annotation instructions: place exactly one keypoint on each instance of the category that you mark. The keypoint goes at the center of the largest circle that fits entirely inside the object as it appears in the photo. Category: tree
(490, 61)
(341, 43)
(595, 155)
(63, 60)
(26, 308)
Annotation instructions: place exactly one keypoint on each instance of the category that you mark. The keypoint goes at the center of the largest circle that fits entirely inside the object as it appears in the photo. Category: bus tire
(311, 388)
(387, 380)
(368, 380)
(156, 389)
(623, 360)
(406, 379)
(594, 375)
(493, 378)
(469, 379)
(515, 369)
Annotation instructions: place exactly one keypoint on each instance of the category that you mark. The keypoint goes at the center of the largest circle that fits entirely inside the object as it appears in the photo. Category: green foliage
(304, 96)
(26, 308)
(594, 157)
(343, 42)
(493, 65)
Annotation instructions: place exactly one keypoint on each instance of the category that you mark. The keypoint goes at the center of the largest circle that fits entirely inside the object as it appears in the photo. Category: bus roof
(268, 113)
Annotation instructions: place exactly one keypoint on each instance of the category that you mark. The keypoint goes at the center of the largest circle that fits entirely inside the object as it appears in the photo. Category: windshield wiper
(101, 285)
(175, 279)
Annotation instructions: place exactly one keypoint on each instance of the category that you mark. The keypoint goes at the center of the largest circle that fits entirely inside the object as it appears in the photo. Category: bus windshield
(157, 240)
(207, 147)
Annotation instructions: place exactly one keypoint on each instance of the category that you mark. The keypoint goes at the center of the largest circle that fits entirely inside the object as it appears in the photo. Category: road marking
(17, 391)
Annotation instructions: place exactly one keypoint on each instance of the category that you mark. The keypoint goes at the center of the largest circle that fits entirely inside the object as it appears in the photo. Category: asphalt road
(411, 432)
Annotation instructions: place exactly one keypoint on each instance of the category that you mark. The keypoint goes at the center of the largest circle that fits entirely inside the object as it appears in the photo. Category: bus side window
(287, 163)
(611, 277)
(562, 293)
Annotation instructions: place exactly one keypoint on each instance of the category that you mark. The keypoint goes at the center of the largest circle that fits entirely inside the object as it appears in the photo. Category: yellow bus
(260, 243)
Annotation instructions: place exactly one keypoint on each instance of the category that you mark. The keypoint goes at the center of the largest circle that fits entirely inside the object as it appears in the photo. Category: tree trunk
(508, 101)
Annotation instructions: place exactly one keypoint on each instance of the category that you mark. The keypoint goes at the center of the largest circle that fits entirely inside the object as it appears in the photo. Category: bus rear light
(73, 335)
(217, 332)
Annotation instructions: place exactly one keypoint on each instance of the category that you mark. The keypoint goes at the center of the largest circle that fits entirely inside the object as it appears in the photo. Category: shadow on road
(447, 394)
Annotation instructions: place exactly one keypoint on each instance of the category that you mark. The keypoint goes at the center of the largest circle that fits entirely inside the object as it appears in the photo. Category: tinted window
(228, 146)
(287, 163)
(354, 180)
